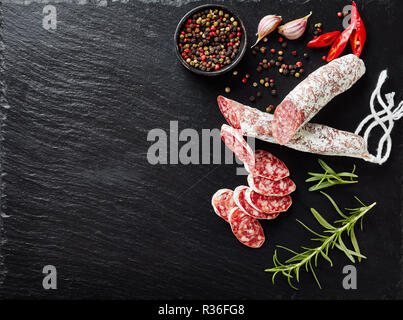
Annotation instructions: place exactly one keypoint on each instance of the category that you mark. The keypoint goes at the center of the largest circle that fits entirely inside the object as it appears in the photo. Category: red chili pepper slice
(323, 40)
(359, 35)
(340, 43)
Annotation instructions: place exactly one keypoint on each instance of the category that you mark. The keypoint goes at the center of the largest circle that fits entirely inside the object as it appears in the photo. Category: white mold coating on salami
(312, 137)
(246, 229)
(268, 187)
(313, 93)
(222, 202)
(234, 140)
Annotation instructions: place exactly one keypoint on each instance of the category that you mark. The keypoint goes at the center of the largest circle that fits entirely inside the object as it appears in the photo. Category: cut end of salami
(234, 140)
(246, 229)
(313, 93)
(229, 110)
(286, 122)
(222, 202)
(267, 166)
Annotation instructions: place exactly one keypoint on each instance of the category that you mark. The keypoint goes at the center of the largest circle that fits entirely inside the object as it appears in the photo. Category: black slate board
(81, 195)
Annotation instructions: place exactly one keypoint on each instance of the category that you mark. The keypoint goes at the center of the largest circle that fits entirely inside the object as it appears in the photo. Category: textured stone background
(79, 191)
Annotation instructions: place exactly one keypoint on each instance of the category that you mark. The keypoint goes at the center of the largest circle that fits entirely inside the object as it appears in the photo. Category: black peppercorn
(251, 98)
(306, 56)
(259, 69)
(284, 44)
(259, 94)
(273, 92)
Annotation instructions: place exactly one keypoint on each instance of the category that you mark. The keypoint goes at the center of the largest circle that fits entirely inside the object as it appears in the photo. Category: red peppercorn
(244, 80)
(280, 39)
(239, 34)
(319, 30)
(273, 50)
(294, 53)
(230, 44)
(339, 14)
(189, 20)
(272, 80)
(299, 64)
(231, 36)
(324, 58)
(213, 29)
(217, 66)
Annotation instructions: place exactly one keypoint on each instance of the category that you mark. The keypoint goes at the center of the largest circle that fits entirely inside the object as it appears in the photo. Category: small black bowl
(242, 46)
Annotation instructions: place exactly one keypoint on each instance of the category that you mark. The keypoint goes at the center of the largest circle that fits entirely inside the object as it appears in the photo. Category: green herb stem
(298, 260)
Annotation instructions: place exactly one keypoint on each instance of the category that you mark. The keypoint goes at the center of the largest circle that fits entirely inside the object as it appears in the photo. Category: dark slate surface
(81, 195)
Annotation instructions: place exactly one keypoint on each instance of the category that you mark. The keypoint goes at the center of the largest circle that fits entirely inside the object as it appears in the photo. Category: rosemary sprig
(333, 238)
(330, 177)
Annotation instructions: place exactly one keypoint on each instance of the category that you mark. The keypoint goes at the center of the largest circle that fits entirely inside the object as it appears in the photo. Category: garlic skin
(294, 29)
(267, 25)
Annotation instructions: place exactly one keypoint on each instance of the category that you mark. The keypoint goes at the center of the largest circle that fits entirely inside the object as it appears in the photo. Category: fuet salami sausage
(312, 137)
(246, 229)
(268, 187)
(268, 204)
(234, 140)
(313, 93)
(222, 202)
(268, 166)
(240, 201)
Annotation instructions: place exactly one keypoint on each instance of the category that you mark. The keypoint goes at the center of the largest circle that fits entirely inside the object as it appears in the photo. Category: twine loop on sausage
(384, 118)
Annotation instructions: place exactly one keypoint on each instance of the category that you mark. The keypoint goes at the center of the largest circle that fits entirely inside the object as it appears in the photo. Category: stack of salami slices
(267, 195)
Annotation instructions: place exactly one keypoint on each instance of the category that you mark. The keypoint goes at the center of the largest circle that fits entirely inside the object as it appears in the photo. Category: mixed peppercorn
(210, 39)
(272, 59)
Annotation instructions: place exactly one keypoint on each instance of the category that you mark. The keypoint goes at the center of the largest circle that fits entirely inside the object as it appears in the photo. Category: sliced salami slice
(234, 140)
(267, 166)
(240, 201)
(268, 204)
(268, 187)
(222, 202)
(246, 229)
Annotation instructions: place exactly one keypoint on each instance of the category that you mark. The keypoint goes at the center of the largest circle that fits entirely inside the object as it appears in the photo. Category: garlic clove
(294, 29)
(267, 25)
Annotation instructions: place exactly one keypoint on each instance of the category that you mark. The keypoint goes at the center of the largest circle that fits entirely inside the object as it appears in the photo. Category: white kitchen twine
(384, 118)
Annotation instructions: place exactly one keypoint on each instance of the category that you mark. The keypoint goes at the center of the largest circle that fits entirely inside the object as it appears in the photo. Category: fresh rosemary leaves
(330, 177)
(331, 238)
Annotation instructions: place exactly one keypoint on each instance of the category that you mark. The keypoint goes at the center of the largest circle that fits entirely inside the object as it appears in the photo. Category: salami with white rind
(240, 201)
(312, 137)
(222, 202)
(234, 140)
(268, 166)
(268, 187)
(268, 204)
(246, 229)
(313, 93)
